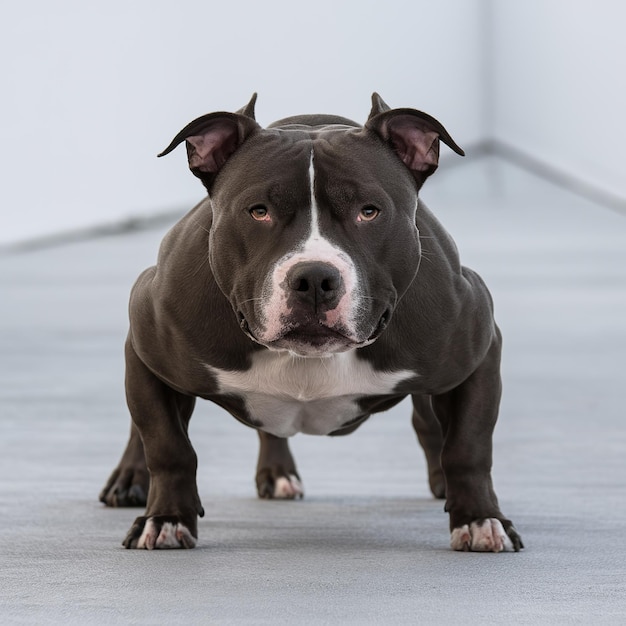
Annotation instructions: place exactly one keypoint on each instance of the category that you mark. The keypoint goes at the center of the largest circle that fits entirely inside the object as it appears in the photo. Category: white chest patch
(289, 394)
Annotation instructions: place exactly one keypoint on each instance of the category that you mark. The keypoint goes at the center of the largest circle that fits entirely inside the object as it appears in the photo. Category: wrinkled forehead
(271, 162)
(295, 145)
(276, 165)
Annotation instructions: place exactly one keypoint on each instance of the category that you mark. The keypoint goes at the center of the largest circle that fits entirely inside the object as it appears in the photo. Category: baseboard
(109, 229)
(544, 170)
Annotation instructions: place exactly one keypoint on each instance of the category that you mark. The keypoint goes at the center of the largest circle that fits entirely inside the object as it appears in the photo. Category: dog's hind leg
(276, 474)
(429, 435)
(129, 482)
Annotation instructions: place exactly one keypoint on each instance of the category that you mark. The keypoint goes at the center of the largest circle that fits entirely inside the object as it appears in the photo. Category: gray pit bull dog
(310, 289)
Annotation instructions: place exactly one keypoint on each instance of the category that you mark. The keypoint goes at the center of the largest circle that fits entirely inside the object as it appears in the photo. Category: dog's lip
(316, 334)
(383, 322)
(243, 324)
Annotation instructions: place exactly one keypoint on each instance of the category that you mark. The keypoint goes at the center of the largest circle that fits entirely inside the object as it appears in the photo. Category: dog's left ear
(412, 134)
(213, 138)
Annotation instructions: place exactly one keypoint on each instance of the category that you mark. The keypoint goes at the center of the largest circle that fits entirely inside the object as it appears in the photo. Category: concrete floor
(367, 544)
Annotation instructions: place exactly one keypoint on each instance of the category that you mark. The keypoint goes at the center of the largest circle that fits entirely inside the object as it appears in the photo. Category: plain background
(92, 91)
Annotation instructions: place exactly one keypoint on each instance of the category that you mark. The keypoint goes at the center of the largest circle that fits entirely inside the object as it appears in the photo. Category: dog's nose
(316, 284)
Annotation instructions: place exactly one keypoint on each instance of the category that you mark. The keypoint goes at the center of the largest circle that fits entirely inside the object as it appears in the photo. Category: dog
(310, 289)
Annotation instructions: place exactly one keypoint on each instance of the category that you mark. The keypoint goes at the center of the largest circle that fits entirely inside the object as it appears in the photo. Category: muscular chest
(287, 394)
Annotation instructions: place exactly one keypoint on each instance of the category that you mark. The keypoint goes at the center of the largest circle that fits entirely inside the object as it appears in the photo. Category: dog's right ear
(213, 138)
(248, 110)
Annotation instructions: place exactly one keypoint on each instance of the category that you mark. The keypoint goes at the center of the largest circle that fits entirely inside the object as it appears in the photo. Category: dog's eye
(260, 213)
(368, 213)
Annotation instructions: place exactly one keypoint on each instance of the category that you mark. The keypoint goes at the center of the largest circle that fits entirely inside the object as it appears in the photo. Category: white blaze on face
(316, 248)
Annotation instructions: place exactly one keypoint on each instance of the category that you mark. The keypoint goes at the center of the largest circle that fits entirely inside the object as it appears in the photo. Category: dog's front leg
(161, 416)
(276, 475)
(468, 416)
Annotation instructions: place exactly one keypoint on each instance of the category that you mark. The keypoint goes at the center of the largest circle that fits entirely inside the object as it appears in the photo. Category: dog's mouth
(314, 338)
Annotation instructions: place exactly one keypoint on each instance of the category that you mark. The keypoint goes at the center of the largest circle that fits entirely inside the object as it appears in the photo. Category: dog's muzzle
(311, 312)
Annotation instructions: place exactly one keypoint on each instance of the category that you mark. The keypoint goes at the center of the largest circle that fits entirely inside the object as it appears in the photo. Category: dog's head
(313, 237)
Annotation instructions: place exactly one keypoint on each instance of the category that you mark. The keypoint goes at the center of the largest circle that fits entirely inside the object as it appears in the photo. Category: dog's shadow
(342, 523)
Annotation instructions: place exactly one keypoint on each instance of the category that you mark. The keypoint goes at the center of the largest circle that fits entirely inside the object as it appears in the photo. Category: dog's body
(310, 289)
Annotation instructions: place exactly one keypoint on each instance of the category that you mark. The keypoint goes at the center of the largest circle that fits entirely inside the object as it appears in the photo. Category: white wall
(93, 90)
(560, 85)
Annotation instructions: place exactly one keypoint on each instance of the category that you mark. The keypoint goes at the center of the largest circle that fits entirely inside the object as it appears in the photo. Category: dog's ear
(412, 134)
(248, 110)
(378, 106)
(213, 138)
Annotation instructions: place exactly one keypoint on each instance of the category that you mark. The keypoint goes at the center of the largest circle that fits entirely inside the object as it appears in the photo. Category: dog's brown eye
(260, 213)
(368, 213)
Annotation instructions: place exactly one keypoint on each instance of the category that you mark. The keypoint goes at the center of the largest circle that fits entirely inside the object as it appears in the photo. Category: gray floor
(367, 544)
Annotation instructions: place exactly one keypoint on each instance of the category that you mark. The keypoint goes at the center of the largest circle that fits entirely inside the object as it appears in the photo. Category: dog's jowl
(308, 290)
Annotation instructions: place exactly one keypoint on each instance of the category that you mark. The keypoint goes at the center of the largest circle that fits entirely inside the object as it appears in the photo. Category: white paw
(485, 536)
(288, 488)
(167, 535)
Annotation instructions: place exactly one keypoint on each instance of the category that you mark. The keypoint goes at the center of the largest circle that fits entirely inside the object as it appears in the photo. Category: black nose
(318, 285)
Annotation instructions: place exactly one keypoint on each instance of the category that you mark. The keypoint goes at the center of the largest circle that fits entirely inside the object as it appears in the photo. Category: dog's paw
(126, 486)
(485, 536)
(159, 532)
(288, 488)
(280, 488)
